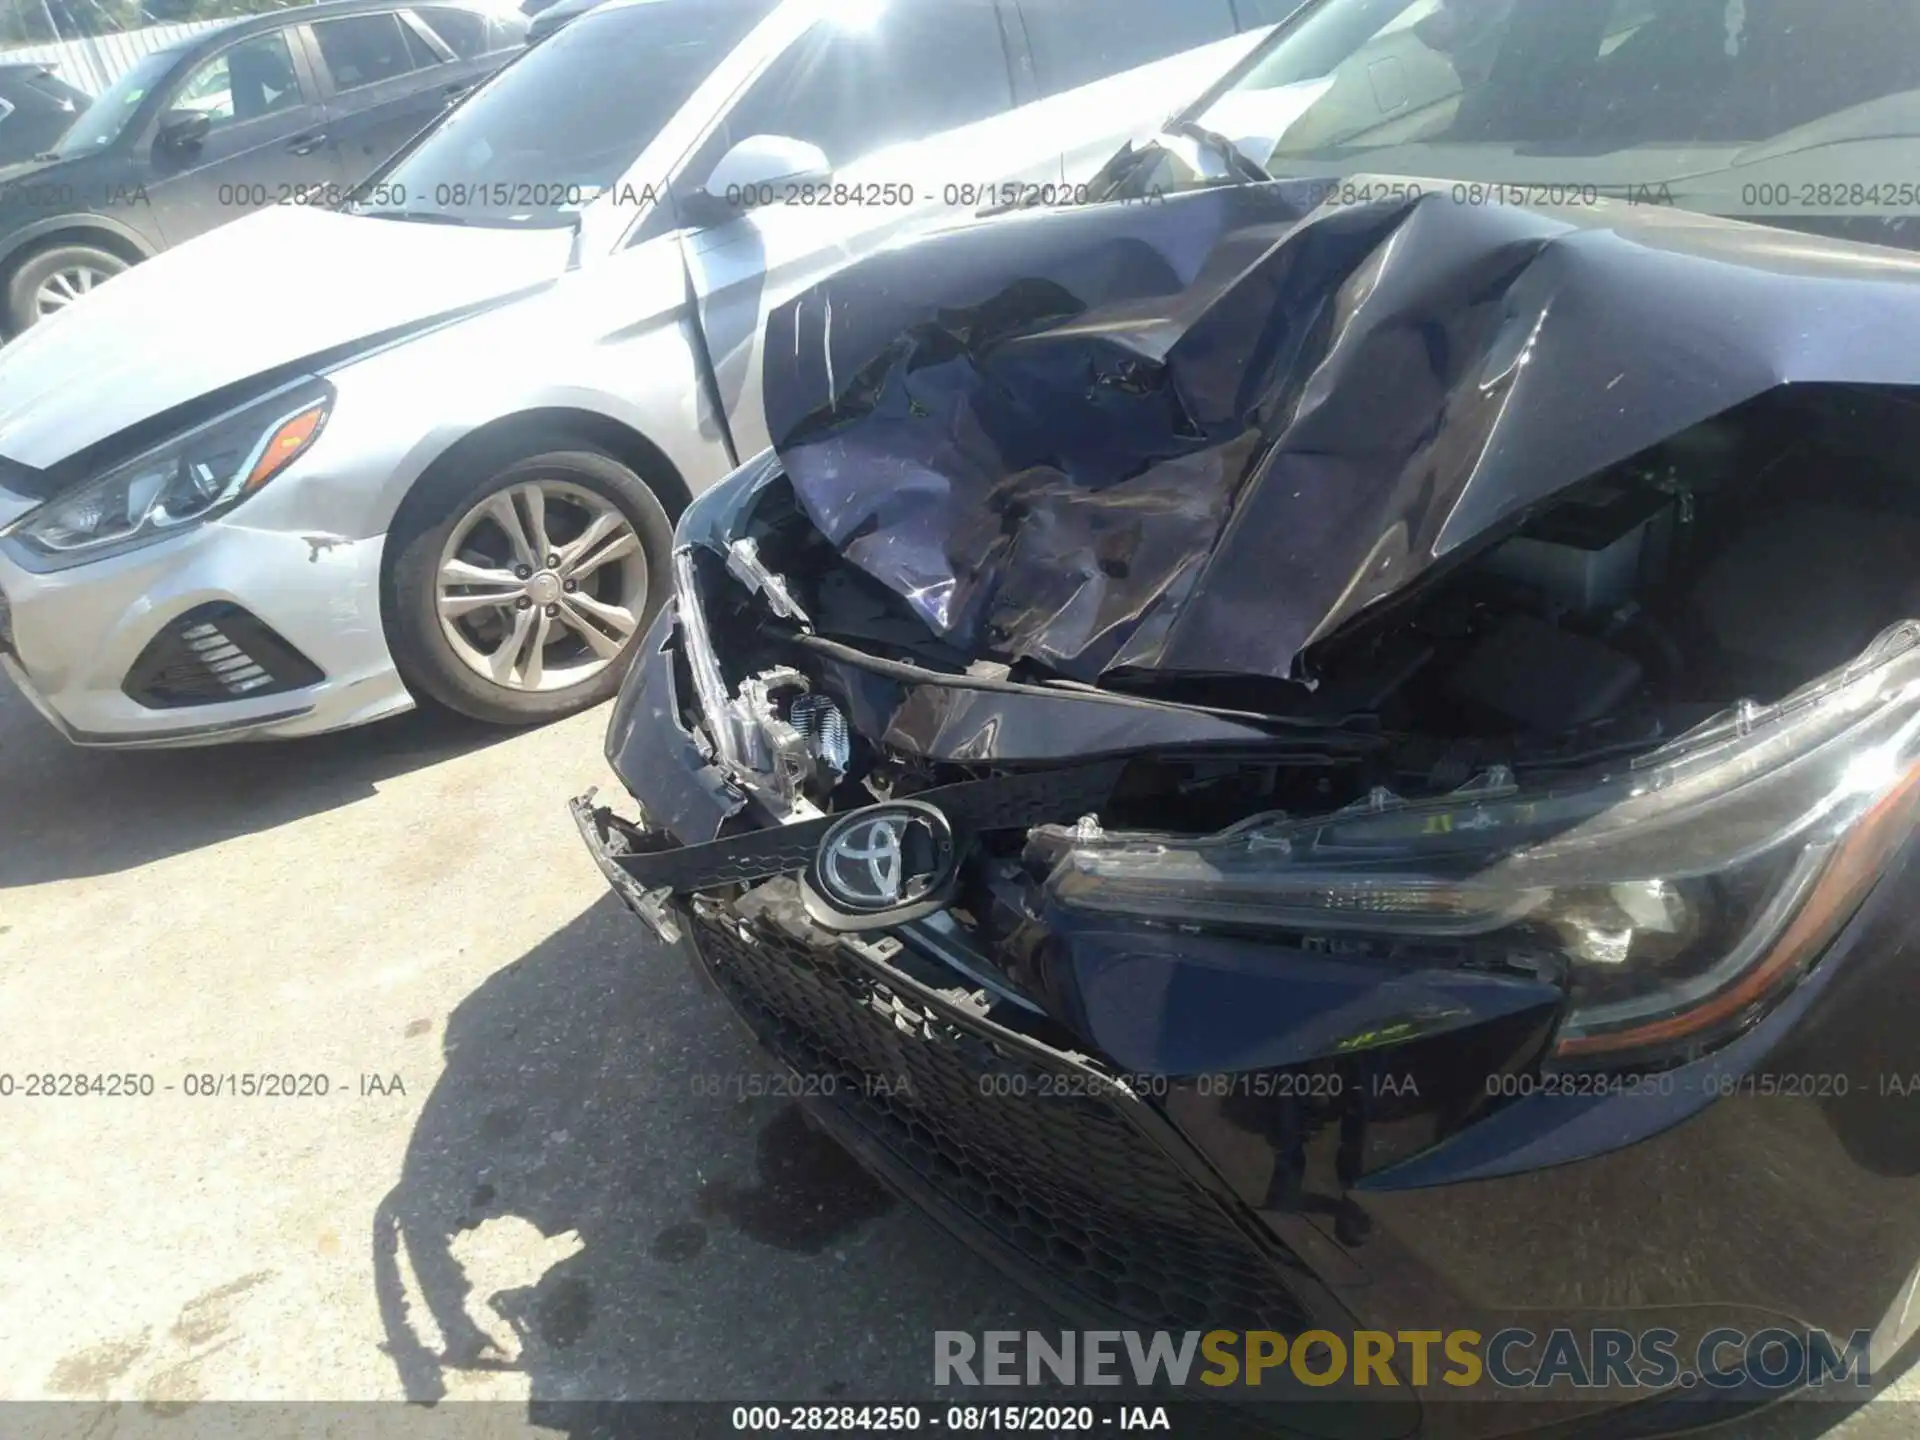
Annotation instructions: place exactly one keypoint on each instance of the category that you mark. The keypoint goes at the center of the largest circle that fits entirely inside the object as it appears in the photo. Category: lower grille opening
(214, 653)
(1055, 1172)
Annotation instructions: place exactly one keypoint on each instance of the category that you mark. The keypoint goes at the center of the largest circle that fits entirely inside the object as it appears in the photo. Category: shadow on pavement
(70, 813)
(595, 1197)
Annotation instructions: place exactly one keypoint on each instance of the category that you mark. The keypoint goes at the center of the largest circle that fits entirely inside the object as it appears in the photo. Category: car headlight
(1672, 902)
(190, 478)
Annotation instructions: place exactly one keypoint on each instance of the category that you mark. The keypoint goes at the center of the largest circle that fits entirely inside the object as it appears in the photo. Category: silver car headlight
(190, 479)
(1672, 902)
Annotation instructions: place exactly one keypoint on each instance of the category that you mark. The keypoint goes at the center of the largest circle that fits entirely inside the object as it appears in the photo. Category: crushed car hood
(1195, 435)
(269, 290)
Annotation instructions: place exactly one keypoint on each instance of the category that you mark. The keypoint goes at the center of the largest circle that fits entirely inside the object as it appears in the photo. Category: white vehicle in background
(290, 476)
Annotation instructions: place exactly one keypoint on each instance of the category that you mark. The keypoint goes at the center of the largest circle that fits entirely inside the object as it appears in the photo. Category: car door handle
(307, 144)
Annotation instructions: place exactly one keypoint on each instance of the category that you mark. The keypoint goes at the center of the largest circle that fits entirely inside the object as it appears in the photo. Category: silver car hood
(270, 290)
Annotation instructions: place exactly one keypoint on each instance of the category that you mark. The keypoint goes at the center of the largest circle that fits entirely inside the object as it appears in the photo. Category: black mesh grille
(6, 624)
(1074, 1183)
(213, 653)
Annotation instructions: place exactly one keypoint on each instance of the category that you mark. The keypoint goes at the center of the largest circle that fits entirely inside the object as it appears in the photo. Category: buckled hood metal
(1195, 436)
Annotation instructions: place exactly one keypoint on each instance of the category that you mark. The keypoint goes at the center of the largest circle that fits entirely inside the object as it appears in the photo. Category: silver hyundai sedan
(321, 463)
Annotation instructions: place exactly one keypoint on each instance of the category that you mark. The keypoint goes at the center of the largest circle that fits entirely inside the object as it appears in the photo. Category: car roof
(565, 12)
(768, 6)
(318, 10)
(48, 72)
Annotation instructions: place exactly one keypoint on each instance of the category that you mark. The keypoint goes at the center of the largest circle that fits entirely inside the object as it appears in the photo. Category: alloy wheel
(541, 585)
(66, 285)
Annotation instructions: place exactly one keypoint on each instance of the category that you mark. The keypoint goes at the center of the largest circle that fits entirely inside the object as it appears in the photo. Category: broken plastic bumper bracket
(646, 865)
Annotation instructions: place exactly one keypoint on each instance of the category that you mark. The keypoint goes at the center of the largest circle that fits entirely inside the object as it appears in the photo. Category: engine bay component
(769, 743)
(1758, 601)
(1591, 552)
(1544, 678)
(823, 725)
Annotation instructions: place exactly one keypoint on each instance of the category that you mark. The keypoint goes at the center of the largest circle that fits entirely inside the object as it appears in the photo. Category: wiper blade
(1101, 187)
(1236, 159)
(424, 217)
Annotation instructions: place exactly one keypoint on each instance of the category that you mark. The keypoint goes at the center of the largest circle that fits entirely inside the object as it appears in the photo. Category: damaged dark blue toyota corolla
(1354, 736)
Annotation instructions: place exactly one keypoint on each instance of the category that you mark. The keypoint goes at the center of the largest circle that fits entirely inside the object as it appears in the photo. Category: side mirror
(184, 129)
(757, 171)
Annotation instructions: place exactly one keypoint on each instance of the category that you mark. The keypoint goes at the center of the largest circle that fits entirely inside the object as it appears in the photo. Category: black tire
(421, 529)
(35, 269)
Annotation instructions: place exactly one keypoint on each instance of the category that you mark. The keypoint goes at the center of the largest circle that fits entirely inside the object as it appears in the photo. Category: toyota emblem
(878, 863)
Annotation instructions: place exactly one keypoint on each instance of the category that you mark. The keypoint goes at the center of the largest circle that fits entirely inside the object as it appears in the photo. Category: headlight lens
(1672, 902)
(191, 478)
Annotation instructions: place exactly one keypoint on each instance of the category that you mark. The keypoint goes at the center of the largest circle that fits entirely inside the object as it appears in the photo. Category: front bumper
(1096, 1190)
(74, 636)
(1141, 1149)
(1040, 1159)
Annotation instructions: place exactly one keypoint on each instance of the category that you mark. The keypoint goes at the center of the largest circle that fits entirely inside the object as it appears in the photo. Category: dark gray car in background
(36, 108)
(292, 107)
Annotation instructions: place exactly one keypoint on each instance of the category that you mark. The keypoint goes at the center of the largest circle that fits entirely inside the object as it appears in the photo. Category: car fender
(29, 237)
(403, 409)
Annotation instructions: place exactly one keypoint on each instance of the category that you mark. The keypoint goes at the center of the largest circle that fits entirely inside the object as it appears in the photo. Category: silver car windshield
(560, 125)
(1787, 111)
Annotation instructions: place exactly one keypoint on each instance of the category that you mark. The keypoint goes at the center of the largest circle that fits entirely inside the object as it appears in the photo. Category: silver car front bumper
(73, 636)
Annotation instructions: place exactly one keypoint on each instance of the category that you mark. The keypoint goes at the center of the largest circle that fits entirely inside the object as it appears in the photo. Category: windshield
(566, 120)
(100, 123)
(1801, 112)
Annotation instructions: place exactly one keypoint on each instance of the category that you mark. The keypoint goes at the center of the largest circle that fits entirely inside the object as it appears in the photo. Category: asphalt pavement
(511, 1151)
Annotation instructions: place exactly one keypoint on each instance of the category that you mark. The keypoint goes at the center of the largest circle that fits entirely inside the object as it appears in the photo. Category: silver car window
(911, 69)
(565, 121)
